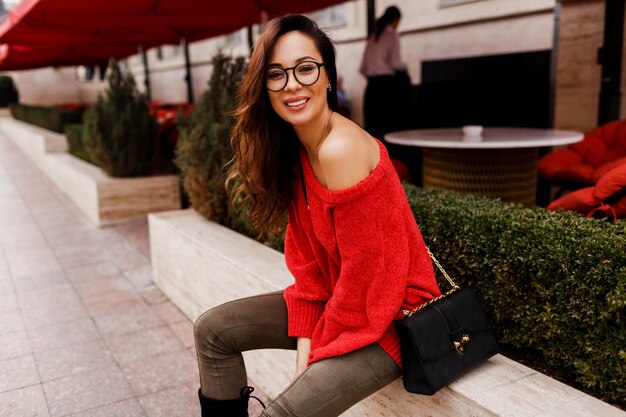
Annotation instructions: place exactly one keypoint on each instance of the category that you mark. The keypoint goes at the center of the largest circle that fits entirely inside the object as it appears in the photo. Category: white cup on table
(472, 133)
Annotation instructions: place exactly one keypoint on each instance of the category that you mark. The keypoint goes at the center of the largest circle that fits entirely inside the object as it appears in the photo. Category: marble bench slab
(104, 200)
(199, 264)
(31, 139)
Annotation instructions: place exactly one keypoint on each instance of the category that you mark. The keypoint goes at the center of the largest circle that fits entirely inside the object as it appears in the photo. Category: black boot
(227, 408)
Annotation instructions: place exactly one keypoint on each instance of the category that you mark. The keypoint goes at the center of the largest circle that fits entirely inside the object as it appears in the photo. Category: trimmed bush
(74, 135)
(8, 92)
(118, 131)
(203, 150)
(553, 283)
(203, 147)
(50, 118)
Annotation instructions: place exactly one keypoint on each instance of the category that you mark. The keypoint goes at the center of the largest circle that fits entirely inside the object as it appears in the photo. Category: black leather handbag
(443, 338)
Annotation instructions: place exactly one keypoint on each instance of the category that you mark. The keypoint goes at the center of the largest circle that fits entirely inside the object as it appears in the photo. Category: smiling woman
(301, 98)
(351, 243)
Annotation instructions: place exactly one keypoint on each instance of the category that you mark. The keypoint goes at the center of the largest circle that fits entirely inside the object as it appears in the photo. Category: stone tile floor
(83, 330)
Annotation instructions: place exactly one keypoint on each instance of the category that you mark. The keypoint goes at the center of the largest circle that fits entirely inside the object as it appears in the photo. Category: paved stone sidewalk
(83, 330)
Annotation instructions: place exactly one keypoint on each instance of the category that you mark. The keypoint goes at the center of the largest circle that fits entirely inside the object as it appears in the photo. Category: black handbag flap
(456, 318)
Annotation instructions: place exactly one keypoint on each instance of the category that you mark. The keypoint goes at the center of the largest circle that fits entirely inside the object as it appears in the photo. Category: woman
(384, 70)
(354, 269)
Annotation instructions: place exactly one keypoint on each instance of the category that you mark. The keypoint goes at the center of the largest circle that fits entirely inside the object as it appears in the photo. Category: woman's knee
(210, 329)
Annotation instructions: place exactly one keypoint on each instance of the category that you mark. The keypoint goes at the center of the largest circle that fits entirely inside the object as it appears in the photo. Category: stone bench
(34, 141)
(199, 264)
(103, 199)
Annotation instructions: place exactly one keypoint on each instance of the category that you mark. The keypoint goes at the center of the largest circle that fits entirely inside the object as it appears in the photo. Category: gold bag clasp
(460, 345)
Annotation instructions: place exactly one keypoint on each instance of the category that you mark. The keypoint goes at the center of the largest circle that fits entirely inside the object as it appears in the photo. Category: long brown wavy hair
(265, 146)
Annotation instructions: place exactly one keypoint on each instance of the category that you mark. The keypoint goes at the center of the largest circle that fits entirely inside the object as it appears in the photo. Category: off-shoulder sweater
(357, 257)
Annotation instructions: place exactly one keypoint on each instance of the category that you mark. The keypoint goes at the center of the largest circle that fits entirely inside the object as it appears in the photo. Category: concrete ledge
(200, 264)
(33, 140)
(103, 199)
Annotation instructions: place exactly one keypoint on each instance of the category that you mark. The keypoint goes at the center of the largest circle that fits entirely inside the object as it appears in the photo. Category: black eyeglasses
(306, 73)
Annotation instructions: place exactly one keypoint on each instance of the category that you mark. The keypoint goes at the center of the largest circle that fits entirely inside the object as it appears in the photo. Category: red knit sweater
(357, 257)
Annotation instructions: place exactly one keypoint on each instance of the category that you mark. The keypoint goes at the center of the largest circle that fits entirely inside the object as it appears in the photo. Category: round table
(502, 162)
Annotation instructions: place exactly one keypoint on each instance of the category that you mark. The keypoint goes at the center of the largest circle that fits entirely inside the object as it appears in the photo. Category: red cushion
(564, 165)
(581, 201)
(612, 182)
(577, 163)
(601, 171)
(590, 200)
(602, 144)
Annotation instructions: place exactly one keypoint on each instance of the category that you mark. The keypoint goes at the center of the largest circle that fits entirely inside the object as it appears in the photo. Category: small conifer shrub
(74, 135)
(119, 132)
(203, 147)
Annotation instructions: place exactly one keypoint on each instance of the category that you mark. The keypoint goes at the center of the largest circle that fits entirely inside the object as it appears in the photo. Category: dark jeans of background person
(325, 389)
(379, 108)
(389, 106)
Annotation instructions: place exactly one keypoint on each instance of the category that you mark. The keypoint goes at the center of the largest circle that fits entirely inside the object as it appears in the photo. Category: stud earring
(330, 88)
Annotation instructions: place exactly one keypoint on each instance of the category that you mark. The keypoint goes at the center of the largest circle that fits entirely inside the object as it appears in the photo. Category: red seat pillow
(606, 168)
(602, 144)
(611, 183)
(580, 161)
(581, 201)
(564, 165)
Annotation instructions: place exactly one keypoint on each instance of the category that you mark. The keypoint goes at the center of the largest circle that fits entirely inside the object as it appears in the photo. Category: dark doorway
(511, 90)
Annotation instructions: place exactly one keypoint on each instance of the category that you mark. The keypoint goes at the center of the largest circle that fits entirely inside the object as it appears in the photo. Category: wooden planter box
(103, 199)
(199, 264)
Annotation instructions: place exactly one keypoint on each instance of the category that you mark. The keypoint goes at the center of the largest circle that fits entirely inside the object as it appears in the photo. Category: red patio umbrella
(17, 57)
(73, 32)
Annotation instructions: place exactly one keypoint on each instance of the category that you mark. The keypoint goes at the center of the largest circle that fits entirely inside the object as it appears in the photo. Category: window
(5, 8)
(447, 3)
(234, 38)
(169, 52)
(91, 73)
(331, 17)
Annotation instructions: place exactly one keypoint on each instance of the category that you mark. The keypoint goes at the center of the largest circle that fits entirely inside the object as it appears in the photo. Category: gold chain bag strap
(443, 338)
(409, 313)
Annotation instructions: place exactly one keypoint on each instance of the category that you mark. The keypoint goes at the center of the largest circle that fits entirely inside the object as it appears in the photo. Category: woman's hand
(302, 355)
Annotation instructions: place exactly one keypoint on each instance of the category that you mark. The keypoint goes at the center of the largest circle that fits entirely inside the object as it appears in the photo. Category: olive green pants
(325, 389)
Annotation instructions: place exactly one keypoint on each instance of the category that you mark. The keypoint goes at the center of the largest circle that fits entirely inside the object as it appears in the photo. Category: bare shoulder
(347, 156)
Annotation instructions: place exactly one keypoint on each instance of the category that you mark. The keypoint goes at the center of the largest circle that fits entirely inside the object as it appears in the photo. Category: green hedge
(50, 118)
(74, 135)
(554, 284)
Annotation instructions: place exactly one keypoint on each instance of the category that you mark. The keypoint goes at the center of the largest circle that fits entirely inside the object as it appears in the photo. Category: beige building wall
(483, 27)
(516, 33)
(578, 80)
(428, 31)
(167, 71)
(425, 14)
(47, 86)
(579, 74)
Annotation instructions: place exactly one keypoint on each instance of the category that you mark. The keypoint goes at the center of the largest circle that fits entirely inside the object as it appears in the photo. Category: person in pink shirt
(351, 244)
(380, 65)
